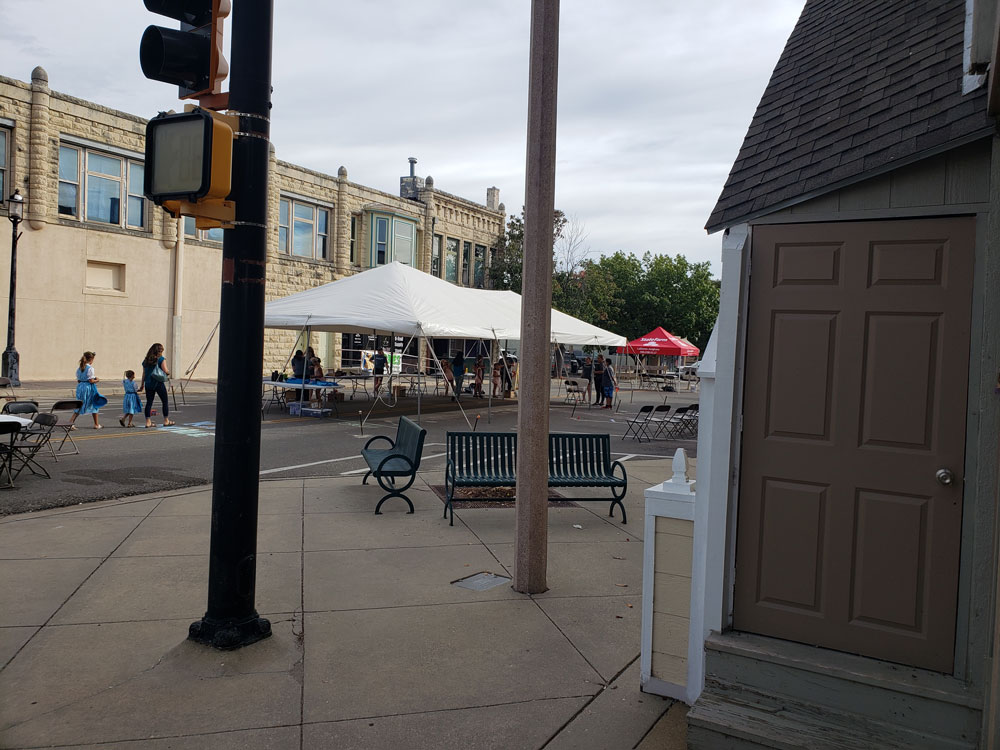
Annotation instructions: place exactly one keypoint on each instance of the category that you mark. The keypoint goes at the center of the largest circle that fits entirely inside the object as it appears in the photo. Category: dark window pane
(67, 199)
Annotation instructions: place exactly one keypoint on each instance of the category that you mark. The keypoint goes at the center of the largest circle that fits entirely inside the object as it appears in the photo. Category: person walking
(379, 364)
(154, 380)
(479, 370)
(131, 405)
(449, 376)
(588, 374)
(610, 383)
(599, 379)
(496, 378)
(458, 369)
(86, 391)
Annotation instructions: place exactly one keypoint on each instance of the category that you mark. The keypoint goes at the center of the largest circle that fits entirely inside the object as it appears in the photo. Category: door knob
(945, 476)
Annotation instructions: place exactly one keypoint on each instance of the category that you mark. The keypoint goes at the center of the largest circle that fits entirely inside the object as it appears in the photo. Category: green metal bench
(400, 460)
(489, 459)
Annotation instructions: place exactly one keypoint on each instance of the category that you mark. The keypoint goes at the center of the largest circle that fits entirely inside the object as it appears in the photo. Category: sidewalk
(372, 646)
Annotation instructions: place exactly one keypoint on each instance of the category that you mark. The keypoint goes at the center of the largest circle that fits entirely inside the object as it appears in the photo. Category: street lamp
(10, 365)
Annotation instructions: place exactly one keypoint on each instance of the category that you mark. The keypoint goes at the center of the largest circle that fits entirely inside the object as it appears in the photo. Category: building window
(381, 249)
(108, 182)
(466, 262)
(392, 239)
(69, 181)
(303, 229)
(211, 235)
(436, 256)
(354, 239)
(451, 261)
(3, 165)
(480, 267)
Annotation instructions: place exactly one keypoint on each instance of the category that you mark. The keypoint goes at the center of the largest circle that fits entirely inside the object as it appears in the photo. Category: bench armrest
(392, 443)
(621, 466)
(393, 457)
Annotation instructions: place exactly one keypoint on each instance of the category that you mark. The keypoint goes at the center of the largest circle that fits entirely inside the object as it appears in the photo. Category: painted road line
(360, 471)
(314, 463)
(627, 456)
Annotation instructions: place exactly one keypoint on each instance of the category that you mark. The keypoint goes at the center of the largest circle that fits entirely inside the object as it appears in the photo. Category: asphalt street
(116, 462)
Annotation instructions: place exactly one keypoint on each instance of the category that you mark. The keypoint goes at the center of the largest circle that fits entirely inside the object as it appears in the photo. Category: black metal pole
(11, 359)
(231, 620)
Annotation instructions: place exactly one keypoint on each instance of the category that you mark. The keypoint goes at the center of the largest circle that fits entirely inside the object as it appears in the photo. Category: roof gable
(862, 86)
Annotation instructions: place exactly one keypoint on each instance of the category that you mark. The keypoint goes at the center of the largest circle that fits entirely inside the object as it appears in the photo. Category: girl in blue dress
(86, 391)
(130, 402)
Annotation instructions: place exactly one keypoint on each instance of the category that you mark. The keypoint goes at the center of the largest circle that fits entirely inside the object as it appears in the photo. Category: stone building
(101, 268)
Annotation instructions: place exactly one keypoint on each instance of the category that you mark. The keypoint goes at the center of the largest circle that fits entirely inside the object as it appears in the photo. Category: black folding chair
(32, 439)
(70, 405)
(637, 425)
(660, 417)
(20, 407)
(673, 426)
(8, 437)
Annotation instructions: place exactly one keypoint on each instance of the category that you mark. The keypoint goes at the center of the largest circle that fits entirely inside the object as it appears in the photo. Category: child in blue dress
(130, 402)
(86, 391)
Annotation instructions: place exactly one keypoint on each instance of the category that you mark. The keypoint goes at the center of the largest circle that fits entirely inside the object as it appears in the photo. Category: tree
(508, 260)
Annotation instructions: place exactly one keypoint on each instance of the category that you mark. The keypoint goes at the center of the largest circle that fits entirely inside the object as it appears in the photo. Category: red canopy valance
(659, 341)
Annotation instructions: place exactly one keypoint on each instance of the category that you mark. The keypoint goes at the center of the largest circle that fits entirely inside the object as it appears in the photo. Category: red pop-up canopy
(660, 342)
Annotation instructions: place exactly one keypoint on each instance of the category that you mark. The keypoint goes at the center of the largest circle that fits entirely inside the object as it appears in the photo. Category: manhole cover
(481, 581)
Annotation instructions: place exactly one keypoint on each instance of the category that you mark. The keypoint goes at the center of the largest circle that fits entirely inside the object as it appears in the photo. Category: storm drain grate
(481, 581)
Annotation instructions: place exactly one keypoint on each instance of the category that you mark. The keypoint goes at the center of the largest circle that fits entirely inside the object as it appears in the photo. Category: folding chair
(637, 425)
(20, 407)
(660, 417)
(71, 405)
(32, 440)
(8, 437)
(574, 393)
(673, 426)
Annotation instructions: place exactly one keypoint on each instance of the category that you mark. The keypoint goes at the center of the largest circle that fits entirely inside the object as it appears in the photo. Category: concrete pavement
(373, 645)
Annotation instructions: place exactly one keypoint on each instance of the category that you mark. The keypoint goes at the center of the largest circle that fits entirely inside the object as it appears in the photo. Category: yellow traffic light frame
(210, 209)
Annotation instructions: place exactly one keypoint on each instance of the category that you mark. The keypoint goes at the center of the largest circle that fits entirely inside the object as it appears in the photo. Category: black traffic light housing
(190, 57)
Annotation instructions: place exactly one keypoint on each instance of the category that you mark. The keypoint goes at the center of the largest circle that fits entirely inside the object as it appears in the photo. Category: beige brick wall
(672, 599)
(58, 314)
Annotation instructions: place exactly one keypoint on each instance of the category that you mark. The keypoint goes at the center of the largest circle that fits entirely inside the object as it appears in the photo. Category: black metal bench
(489, 459)
(400, 459)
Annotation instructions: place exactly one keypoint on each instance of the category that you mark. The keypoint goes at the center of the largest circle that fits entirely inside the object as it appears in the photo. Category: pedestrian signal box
(189, 159)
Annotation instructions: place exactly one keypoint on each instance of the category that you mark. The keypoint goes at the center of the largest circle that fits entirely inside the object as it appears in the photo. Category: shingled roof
(861, 87)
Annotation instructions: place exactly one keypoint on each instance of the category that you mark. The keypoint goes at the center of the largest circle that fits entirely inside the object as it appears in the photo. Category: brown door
(855, 399)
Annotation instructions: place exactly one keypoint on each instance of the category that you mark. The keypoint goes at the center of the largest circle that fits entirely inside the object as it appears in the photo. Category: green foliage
(619, 292)
(508, 260)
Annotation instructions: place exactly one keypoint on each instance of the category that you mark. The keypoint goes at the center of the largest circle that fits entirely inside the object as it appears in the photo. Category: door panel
(855, 395)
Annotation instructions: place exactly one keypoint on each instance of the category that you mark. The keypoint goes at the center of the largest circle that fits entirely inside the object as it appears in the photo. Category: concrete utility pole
(536, 302)
(231, 619)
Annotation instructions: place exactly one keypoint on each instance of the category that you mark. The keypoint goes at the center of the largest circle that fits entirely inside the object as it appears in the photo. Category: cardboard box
(399, 391)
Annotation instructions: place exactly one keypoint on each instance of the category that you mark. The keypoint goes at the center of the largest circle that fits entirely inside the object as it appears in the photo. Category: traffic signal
(189, 158)
(190, 57)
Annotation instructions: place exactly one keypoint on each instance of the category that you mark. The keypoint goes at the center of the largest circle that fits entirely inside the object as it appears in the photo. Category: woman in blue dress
(86, 391)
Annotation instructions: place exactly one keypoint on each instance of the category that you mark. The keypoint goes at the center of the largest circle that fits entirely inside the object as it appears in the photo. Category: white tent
(399, 299)
(389, 299)
(396, 298)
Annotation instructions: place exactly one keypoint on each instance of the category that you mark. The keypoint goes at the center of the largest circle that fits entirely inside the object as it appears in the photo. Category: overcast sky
(655, 96)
